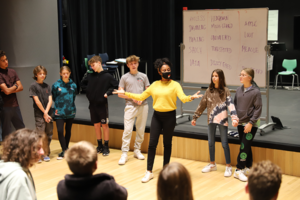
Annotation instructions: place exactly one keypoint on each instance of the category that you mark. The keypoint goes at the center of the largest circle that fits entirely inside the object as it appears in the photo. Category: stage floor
(211, 185)
(284, 104)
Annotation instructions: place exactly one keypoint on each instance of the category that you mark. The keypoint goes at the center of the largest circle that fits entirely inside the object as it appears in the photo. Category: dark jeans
(64, 140)
(245, 158)
(45, 127)
(162, 122)
(11, 115)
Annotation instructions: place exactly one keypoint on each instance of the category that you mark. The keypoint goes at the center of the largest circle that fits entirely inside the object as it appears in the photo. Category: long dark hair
(222, 82)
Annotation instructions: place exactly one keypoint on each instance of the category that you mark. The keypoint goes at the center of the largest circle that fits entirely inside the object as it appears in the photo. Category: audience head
(3, 60)
(174, 182)
(82, 158)
(264, 181)
(24, 146)
(221, 81)
(40, 71)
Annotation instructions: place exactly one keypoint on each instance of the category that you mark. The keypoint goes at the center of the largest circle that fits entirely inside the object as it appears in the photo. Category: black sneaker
(106, 151)
(61, 155)
(99, 149)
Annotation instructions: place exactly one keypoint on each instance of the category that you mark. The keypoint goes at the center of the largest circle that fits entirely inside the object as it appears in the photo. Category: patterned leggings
(245, 158)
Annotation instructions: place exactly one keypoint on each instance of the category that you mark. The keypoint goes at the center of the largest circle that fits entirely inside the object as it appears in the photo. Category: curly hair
(174, 182)
(264, 180)
(222, 82)
(22, 146)
(162, 61)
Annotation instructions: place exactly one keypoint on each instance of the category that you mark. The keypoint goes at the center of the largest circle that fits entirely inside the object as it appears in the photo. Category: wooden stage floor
(205, 186)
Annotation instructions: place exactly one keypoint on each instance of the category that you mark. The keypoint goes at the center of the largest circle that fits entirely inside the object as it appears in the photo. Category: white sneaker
(247, 171)
(210, 167)
(148, 176)
(239, 174)
(123, 159)
(228, 171)
(137, 154)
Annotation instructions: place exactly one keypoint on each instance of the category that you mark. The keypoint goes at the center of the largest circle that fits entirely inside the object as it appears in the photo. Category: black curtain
(120, 28)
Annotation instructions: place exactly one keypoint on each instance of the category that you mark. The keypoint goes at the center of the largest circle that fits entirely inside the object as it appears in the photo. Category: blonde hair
(37, 70)
(95, 59)
(174, 182)
(264, 180)
(81, 158)
(132, 58)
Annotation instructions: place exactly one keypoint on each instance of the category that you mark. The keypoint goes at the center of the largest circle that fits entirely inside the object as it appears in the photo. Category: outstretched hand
(197, 95)
(121, 91)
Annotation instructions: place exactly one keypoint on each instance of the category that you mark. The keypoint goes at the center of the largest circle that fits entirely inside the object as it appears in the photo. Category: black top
(97, 84)
(100, 186)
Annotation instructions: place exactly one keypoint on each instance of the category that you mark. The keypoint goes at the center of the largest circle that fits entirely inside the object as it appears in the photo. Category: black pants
(245, 158)
(64, 140)
(162, 122)
(11, 115)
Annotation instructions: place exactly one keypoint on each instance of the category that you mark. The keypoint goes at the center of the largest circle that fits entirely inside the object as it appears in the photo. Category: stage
(284, 104)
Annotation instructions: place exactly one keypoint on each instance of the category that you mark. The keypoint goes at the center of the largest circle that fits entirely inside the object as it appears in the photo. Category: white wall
(29, 36)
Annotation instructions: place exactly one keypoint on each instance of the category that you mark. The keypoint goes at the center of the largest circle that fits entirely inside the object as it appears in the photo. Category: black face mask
(166, 75)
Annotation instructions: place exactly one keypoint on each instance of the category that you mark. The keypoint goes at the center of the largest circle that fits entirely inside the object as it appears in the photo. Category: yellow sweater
(164, 95)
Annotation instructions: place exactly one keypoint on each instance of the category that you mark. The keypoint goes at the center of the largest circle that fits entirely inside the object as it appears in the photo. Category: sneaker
(246, 171)
(61, 155)
(137, 154)
(99, 149)
(123, 159)
(40, 161)
(105, 151)
(210, 167)
(148, 176)
(228, 171)
(239, 174)
(46, 159)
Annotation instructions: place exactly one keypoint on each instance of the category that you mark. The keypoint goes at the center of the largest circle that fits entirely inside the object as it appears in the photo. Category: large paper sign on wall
(224, 39)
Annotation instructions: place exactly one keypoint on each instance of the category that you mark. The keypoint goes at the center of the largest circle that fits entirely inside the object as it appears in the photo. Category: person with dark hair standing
(10, 84)
(248, 105)
(217, 99)
(63, 93)
(21, 150)
(164, 93)
(174, 183)
(40, 92)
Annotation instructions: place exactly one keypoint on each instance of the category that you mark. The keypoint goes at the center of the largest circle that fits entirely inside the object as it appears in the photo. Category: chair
(289, 65)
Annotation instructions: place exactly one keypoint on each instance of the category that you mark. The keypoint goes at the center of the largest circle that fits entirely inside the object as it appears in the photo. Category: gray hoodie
(248, 104)
(15, 183)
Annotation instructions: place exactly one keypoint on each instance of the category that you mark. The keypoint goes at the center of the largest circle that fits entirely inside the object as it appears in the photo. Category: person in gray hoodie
(21, 150)
(248, 105)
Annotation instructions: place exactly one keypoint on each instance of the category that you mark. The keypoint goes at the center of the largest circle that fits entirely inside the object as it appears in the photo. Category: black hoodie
(97, 84)
(100, 186)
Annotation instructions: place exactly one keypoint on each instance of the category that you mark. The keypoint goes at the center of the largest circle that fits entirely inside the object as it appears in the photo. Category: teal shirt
(63, 95)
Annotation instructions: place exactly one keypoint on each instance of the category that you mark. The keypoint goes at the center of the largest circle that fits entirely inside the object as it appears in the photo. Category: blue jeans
(211, 141)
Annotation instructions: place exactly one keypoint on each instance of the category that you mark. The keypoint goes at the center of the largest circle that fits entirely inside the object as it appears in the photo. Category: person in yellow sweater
(164, 93)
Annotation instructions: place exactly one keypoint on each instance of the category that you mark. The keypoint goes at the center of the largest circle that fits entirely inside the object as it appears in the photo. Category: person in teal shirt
(63, 94)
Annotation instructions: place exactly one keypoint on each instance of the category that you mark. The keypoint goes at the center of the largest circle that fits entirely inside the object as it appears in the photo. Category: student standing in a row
(40, 92)
(63, 94)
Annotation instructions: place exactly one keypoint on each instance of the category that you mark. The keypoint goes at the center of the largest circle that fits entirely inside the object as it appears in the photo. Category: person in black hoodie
(98, 86)
(82, 161)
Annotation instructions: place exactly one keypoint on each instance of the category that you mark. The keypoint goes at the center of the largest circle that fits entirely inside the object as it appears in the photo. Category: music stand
(275, 47)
